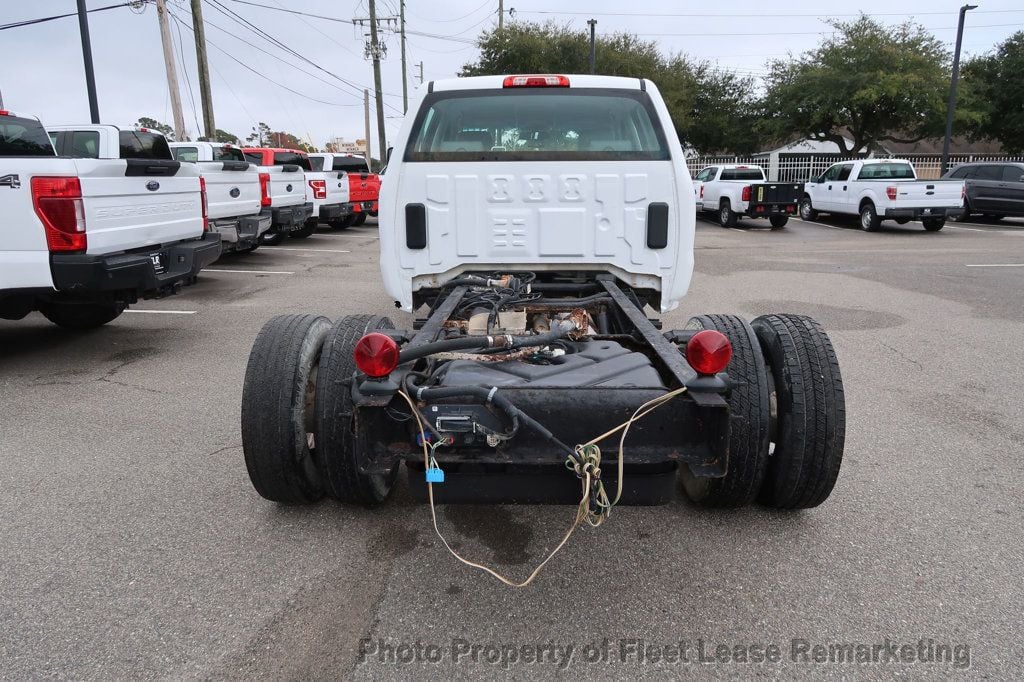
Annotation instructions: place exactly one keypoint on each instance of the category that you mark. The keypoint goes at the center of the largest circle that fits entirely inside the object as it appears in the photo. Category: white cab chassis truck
(232, 192)
(526, 222)
(83, 238)
(882, 189)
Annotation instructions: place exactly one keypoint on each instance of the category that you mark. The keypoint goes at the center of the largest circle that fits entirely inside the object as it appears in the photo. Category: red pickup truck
(363, 187)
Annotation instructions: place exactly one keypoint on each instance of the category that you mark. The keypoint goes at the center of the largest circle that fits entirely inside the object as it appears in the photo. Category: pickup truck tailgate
(287, 185)
(136, 203)
(232, 188)
(929, 193)
(776, 193)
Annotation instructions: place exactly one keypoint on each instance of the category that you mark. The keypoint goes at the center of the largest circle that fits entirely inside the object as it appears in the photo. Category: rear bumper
(767, 210)
(288, 218)
(370, 207)
(930, 212)
(242, 232)
(138, 272)
(335, 211)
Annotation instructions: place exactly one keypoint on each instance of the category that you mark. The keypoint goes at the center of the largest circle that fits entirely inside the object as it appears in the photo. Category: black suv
(994, 190)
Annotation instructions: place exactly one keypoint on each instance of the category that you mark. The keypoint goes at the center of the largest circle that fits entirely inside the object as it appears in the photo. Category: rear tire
(81, 316)
(749, 424)
(360, 219)
(811, 420)
(933, 224)
(726, 216)
(278, 425)
(340, 441)
(869, 220)
(807, 211)
(778, 221)
(272, 238)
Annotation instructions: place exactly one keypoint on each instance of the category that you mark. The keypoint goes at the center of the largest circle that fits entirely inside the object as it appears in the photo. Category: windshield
(886, 171)
(24, 137)
(349, 164)
(539, 124)
(136, 144)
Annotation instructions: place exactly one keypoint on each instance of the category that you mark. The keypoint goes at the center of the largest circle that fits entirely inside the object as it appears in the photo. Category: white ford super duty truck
(232, 192)
(283, 191)
(882, 189)
(84, 238)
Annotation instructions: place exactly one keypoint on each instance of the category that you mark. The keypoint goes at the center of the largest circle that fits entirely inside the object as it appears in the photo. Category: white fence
(801, 167)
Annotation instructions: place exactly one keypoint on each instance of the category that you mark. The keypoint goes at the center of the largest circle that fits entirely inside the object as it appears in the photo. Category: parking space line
(831, 227)
(292, 248)
(161, 312)
(960, 227)
(995, 265)
(253, 272)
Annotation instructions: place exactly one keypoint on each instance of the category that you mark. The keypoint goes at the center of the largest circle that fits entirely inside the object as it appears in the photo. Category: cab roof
(575, 81)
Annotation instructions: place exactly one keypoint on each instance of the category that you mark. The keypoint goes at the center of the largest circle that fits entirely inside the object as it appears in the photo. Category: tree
(871, 81)
(993, 95)
(260, 135)
(153, 124)
(226, 137)
(712, 110)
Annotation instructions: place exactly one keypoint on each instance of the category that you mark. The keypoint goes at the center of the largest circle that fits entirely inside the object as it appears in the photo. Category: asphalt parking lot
(135, 546)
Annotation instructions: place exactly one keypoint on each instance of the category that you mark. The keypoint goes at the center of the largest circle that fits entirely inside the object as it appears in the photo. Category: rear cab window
(316, 163)
(350, 164)
(24, 137)
(514, 124)
(186, 153)
(136, 144)
(742, 174)
(292, 158)
(254, 157)
(228, 154)
(886, 171)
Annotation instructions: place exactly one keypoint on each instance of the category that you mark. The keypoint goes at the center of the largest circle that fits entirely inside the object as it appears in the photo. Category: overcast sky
(43, 73)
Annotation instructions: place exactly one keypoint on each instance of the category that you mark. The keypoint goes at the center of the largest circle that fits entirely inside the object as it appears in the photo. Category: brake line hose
(495, 341)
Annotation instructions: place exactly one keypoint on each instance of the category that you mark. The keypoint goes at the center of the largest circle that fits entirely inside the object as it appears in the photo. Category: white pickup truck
(84, 238)
(283, 189)
(882, 189)
(232, 192)
(340, 212)
(734, 191)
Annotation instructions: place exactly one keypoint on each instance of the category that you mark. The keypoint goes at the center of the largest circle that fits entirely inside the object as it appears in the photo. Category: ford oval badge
(289, 188)
(235, 192)
(152, 185)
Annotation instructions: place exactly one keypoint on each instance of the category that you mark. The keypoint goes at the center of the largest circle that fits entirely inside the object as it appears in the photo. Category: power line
(801, 33)
(41, 20)
(487, 3)
(758, 16)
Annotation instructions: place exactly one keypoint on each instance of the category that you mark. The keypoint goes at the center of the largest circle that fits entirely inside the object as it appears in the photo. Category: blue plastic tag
(435, 475)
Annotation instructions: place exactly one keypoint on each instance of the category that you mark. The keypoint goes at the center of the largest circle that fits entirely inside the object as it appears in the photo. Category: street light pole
(951, 104)
(593, 51)
(90, 76)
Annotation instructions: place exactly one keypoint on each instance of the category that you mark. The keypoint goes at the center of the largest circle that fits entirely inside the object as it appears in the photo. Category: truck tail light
(708, 351)
(702, 191)
(319, 188)
(376, 355)
(205, 204)
(891, 192)
(745, 194)
(536, 82)
(264, 189)
(58, 203)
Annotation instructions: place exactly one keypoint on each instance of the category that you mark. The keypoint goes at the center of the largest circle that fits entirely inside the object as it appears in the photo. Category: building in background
(339, 145)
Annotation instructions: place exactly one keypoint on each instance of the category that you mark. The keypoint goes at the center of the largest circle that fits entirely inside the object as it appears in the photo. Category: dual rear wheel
(788, 414)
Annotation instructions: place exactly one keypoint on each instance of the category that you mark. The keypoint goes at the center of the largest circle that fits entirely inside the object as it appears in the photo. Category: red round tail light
(376, 355)
(708, 351)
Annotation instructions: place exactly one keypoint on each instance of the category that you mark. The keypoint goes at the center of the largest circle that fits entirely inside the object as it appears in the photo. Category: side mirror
(387, 156)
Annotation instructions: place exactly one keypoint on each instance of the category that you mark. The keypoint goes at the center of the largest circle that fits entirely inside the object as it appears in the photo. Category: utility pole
(951, 104)
(405, 80)
(204, 70)
(501, 14)
(90, 76)
(593, 49)
(421, 73)
(172, 72)
(366, 115)
(375, 52)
